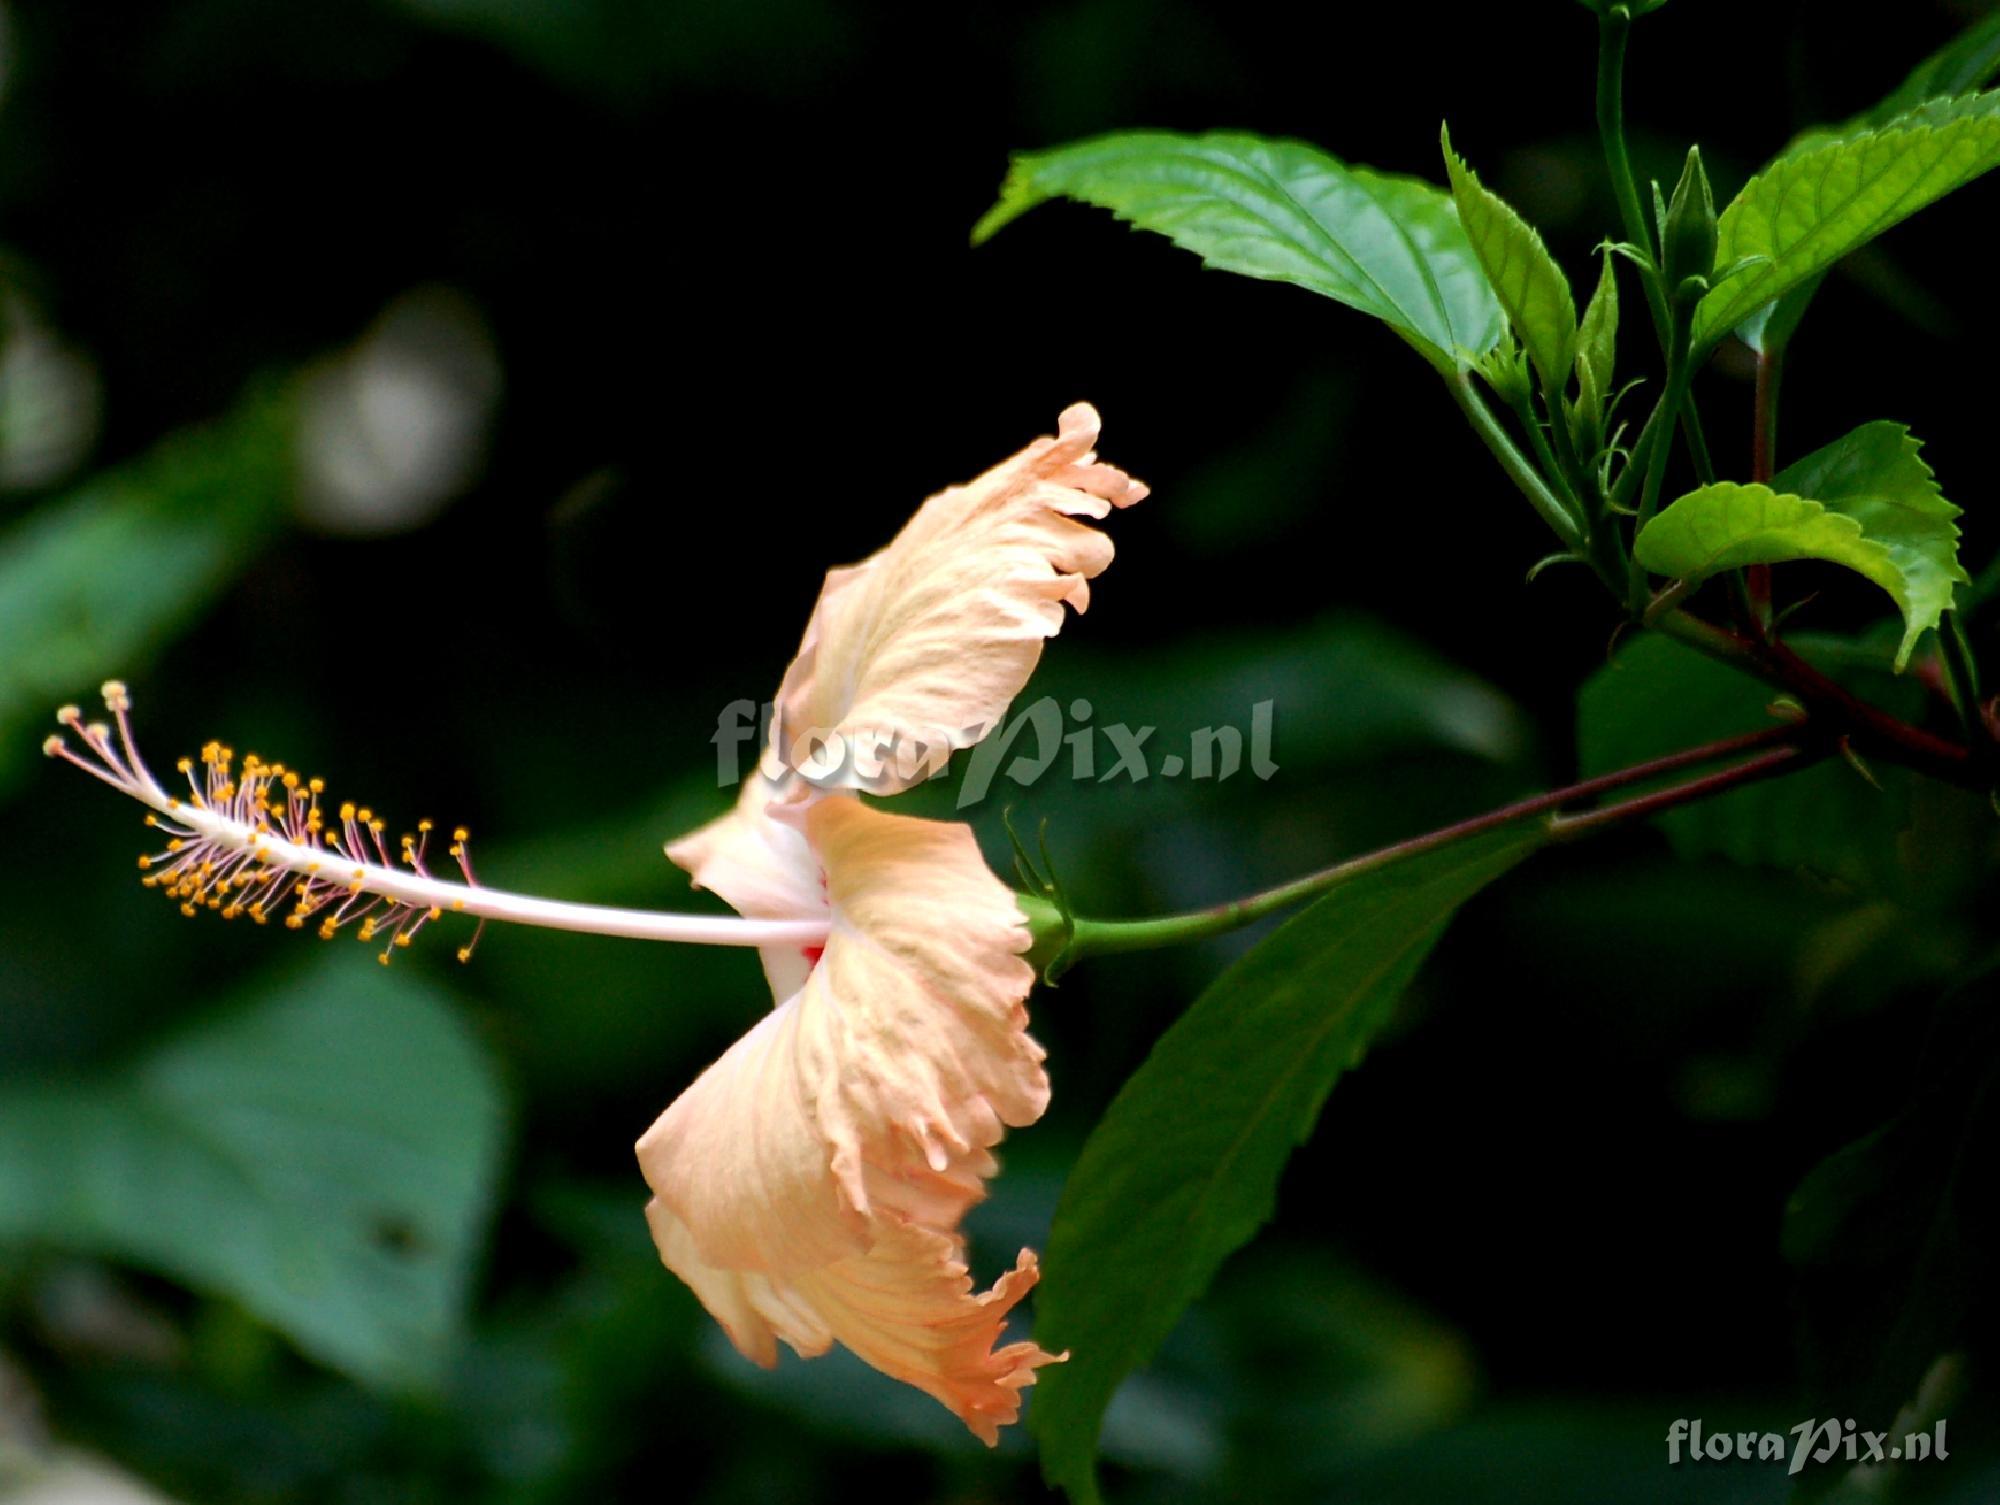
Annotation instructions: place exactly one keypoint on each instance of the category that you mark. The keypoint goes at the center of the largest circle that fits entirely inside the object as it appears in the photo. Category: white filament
(119, 765)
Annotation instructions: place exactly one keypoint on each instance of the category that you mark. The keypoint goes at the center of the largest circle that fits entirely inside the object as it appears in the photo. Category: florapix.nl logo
(1046, 738)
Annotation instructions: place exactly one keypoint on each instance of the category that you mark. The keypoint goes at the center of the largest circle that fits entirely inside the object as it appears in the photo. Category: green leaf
(1828, 195)
(1597, 336)
(90, 584)
(323, 1155)
(1729, 525)
(1768, 330)
(1967, 62)
(1184, 1168)
(1866, 501)
(1596, 363)
(1877, 476)
(1286, 212)
(1530, 286)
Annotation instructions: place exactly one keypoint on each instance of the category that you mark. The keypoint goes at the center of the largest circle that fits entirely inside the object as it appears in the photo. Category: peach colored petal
(918, 650)
(881, 1085)
(906, 1306)
(809, 1184)
(761, 867)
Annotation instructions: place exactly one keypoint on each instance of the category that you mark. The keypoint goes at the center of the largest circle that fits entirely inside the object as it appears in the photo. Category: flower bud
(1687, 232)
(1632, 8)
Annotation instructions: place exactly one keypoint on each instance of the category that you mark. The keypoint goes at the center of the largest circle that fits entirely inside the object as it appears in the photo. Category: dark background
(717, 259)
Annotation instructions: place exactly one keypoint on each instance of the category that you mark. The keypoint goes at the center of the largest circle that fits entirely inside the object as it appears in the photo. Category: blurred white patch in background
(50, 398)
(32, 1472)
(397, 426)
(74, 1479)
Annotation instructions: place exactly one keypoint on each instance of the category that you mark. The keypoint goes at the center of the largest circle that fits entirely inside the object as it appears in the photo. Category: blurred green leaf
(1831, 194)
(1574, 1450)
(1350, 688)
(323, 1154)
(1893, 1238)
(93, 583)
(1529, 284)
(633, 51)
(1866, 501)
(1184, 1168)
(1330, 1366)
(1286, 212)
(1968, 61)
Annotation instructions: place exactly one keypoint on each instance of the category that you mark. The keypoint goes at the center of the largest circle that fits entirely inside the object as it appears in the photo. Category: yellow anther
(433, 914)
(115, 698)
(295, 922)
(465, 953)
(326, 929)
(461, 834)
(70, 715)
(291, 781)
(144, 863)
(365, 815)
(403, 939)
(423, 827)
(317, 786)
(383, 958)
(52, 746)
(367, 932)
(457, 905)
(188, 910)
(347, 810)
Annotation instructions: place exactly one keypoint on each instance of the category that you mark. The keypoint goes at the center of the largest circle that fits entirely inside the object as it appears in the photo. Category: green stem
(1636, 468)
(1764, 416)
(1763, 448)
(1671, 402)
(1582, 490)
(1613, 26)
(1519, 470)
(1550, 463)
(1831, 705)
(1691, 431)
(1776, 749)
(1765, 765)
